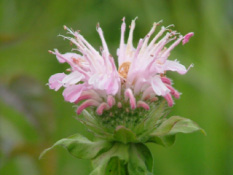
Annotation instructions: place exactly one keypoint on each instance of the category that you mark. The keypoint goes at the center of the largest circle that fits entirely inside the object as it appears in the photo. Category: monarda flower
(124, 103)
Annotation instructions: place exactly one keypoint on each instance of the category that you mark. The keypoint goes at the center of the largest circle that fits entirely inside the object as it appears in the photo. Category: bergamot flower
(124, 101)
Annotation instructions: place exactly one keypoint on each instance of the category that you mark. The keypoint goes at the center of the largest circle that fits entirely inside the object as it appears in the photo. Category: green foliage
(166, 131)
(103, 164)
(176, 124)
(80, 146)
(140, 160)
(124, 153)
(124, 135)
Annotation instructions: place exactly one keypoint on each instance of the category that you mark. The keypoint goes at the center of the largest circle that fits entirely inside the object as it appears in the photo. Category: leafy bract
(124, 135)
(104, 163)
(80, 147)
(164, 134)
(140, 160)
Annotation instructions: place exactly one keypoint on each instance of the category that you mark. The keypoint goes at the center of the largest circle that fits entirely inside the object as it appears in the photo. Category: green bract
(122, 149)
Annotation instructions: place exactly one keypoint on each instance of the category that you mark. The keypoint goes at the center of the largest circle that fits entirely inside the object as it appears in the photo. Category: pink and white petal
(72, 93)
(174, 66)
(89, 94)
(55, 81)
(101, 108)
(87, 104)
(143, 104)
(159, 87)
(72, 78)
(113, 85)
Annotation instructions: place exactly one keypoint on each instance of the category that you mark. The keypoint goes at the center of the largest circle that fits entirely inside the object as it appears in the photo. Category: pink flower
(140, 78)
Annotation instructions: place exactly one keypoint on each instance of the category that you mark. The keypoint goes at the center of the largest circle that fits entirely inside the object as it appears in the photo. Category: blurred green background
(32, 117)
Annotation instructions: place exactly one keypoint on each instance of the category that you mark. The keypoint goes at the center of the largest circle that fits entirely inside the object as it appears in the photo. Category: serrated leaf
(140, 160)
(80, 147)
(124, 135)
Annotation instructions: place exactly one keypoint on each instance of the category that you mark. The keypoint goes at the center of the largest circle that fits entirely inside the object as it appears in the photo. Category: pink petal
(187, 37)
(72, 78)
(88, 95)
(55, 81)
(175, 66)
(174, 92)
(101, 108)
(147, 93)
(72, 93)
(169, 99)
(166, 80)
(86, 104)
(113, 85)
(142, 104)
(111, 100)
(159, 87)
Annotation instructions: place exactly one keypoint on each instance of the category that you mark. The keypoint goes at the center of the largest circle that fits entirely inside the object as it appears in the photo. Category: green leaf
(116, 167)
(104, 162)
(124, 135)
(167, 140)
(80, 147)
(175, 125)
(140, 160)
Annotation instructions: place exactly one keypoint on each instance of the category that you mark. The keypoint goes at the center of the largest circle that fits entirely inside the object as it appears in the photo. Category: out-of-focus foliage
(33, 117)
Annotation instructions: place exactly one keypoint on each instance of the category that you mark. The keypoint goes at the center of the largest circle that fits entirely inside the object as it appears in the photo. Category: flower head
(138, 81)
(128, 110)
